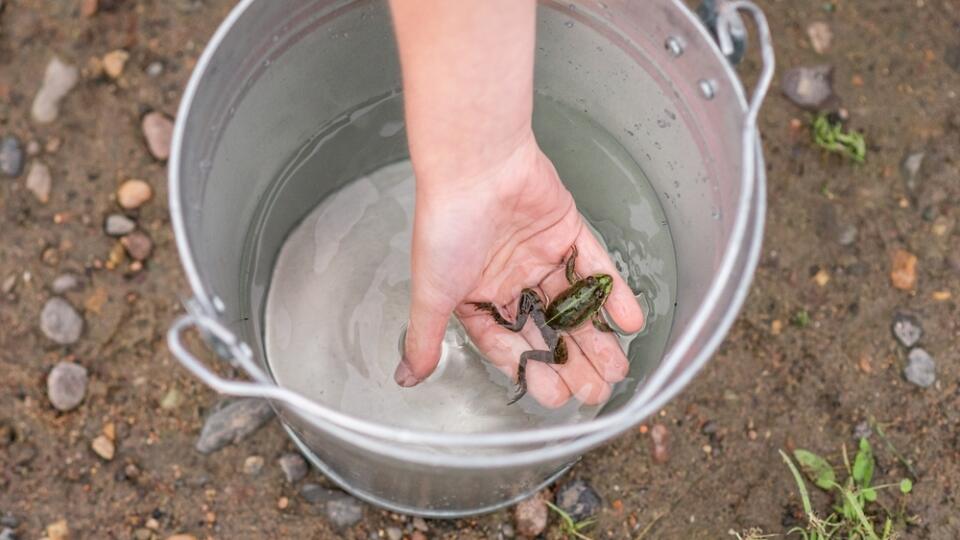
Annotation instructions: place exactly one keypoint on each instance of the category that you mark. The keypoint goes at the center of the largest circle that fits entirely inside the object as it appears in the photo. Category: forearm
(468, 83)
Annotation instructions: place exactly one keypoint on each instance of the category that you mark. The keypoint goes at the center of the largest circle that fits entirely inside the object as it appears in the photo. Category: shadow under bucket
(280, 76)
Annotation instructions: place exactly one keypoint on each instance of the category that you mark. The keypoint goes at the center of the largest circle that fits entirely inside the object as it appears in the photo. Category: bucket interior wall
(299, 65)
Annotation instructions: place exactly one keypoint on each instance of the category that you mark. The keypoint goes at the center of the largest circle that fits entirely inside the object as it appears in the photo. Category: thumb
(424, 338)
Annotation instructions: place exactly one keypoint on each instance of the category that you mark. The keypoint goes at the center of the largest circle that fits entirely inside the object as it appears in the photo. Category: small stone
(133, 193)
(341, 509)
(132, 472)
(33, 148)
(294, 467)
(7, 534)
(8, 284)
(921, 369)
(507, 530)
(53, 145)
(58, 530)
(103, 447)
(232, 423)
(58, 79)
(182, 537)
(253, 465)
(283, 503)
(11, 156)
(142, 534)
(65, 283)
(157, 130)
(9, 520)
(420, 524)
(907, 329)
(820, 36)
(417, 535)
(808, 87)
(39, 181)
(138, 245)
(60, 322)
(394, 533)
(171, 400)
(862, 431)
(846, 235)
(659, 438)
(530, 516)
(903, 270)
(578, 499)
(910, 168)
(155, 69)
(66, 385)
(822, 277)
(114, 62)
(88, 8)
(118, 225)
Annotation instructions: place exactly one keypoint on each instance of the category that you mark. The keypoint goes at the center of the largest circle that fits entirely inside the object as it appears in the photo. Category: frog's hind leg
(529, 302)
(572, 276)
(557, 356)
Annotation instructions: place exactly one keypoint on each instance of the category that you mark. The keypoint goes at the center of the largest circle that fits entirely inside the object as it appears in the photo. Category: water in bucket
(339, 291)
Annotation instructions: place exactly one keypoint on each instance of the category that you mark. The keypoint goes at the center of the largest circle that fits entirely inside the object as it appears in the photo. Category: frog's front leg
(558, 355)
(529, 302)
(572, 276)
(601, 324)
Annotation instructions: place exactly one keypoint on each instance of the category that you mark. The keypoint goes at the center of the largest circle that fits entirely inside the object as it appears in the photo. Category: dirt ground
(773, 385)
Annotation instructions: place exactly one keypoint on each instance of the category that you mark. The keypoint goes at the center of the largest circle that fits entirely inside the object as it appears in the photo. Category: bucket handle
(729, 26)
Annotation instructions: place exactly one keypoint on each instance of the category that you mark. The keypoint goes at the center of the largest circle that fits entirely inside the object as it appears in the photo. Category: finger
(622, 305)
(503, 349)
(604, 352)
(424, 339)
(583, 380)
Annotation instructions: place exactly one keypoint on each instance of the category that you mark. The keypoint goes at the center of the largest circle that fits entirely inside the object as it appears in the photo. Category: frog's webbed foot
(601, 324)
(557, 356)
(529, 302)
(572, 276)
(493, 311)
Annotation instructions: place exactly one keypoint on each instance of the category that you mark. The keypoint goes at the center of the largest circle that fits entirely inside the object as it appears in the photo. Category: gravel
(530, 516)
(157, 130)
(808, 87)
(58, 79)
(65, 283)
(340, 509)
(66, 385)
(60, 322)
(118, 225)
(907, 329)
(11, 156)
(921, 369)
(40, 182)
(294, 467)
(233, 423)
(578, 499)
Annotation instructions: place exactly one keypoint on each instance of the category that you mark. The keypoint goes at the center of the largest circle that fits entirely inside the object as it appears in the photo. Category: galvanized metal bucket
(277, 70)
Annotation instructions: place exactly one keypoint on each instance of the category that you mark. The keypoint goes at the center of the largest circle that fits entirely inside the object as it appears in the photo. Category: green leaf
(801, 486)
(816, 468)
(906, 486)
(863, 464)
(870, 494)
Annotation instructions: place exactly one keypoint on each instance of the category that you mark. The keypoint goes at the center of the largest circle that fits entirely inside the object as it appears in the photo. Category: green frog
(571, 308)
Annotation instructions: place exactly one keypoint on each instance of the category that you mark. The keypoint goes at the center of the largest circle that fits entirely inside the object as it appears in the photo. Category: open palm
(511, 229)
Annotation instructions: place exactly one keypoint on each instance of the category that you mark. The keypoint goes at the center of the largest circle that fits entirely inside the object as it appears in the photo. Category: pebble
(659, 438)
(138, 245)
(820, 36)
(903, 270)
(253, 465)
(66, 385)
(133, 193)
(39, 181)
(33, 148)
(907, 329)
(341, 509)
(11, 156)
(921, 370)
(9, 520)
(420, 524)
(114, 62)
(910, 168)
(118, 225)
(507, 530)
(60, 322)
(862, 431)
(88, 8)
(530, 516)
(578, 499)
(171, 400)
(232, 423)
(155, 69)
(58, 79)
(182, 537)
(58, 530)
(8, 534)
(65, 283)
(8, 284)
(847, 235)
(808, 87)
(294, 467)
(417, 535)
(394, 533)
(103, 447)
(157, 130)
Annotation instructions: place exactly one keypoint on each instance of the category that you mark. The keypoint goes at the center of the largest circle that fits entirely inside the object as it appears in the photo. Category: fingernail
(404, 375)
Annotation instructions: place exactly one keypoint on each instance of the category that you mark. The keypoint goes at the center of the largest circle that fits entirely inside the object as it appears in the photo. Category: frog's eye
(591, 280)
(598, 293)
